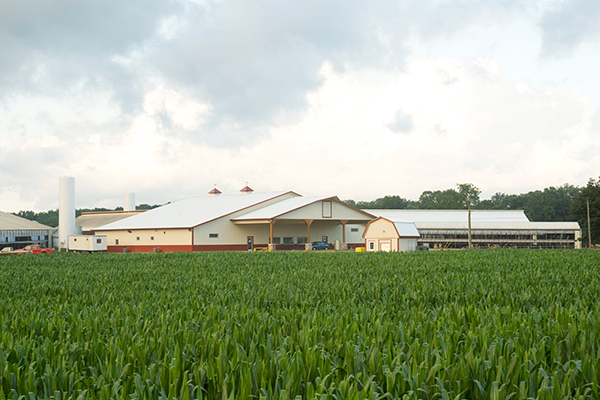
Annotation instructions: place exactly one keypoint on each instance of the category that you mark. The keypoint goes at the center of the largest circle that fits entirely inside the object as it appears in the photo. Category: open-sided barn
(490, 228)
(17, 232)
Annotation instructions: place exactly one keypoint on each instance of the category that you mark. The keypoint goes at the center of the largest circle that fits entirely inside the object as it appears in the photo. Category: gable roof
(404, 229)
(13, 222)
(284, 207)
(407, 230)
(193, 211)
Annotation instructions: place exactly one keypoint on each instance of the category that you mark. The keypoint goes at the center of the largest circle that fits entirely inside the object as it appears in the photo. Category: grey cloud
(403, 123)
(66, 41)
(249, 60)
(566, 27)
(440, 130)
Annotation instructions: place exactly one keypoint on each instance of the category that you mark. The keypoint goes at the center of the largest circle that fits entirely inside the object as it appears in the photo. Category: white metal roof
(498, 226)
(192, 211)
(13, 222)
(92, 220)
(453, 215)
(480, 220)
(406, 229)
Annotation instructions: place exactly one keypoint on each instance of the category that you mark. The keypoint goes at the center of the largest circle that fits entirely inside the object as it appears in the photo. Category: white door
(385, 245)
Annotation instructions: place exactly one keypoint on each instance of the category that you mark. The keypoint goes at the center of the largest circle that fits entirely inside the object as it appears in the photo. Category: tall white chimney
(66, 211)
(129, 202)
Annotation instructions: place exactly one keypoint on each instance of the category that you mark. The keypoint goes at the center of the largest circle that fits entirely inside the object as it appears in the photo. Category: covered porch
(296, 223)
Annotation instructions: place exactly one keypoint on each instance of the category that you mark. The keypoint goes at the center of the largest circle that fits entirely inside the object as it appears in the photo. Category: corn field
(496, 324)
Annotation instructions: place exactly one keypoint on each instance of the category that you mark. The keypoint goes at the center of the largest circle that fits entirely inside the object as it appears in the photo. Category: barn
(17, 232)
(242, 221)
(382, 234)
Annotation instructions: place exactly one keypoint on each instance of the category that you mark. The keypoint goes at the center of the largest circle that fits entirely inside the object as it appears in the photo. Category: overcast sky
(358, 99)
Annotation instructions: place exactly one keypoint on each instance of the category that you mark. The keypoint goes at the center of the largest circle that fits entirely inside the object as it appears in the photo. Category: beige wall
(383, 235)
(162, 237)
(355, 237)
(381, 228)
(230, 233)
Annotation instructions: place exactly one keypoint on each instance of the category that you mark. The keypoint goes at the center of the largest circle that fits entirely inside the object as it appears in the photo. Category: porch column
(271, 244)
(308, 244)
(343, 222)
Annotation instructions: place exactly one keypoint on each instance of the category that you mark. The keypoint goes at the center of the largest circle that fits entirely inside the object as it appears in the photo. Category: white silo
(129, 202)
(66, 211)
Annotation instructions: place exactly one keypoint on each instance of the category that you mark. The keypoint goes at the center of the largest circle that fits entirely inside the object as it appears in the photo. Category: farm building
(17, 232)
(381, 234)
(242, 221)
(489, 228)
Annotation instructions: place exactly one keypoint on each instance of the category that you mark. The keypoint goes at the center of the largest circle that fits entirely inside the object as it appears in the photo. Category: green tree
(550, 204)
(449, 199)
(383, 203)
(579, 209)
(49, 218)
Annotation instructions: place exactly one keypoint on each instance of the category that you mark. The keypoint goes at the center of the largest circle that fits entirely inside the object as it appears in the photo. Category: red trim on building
(246, 189)
(355, 245)
(223, 247)
(148, 249)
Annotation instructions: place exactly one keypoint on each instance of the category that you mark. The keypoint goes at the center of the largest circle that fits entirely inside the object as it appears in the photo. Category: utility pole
(589, 230)
(469, 207)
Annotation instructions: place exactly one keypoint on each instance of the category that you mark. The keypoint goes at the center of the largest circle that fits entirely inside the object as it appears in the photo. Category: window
(74, 239)
(213, 235)
(371, 245)
(327, 209)
(276, 240)
(137, 238)
(99, 241)
(116, 241)
(151, 237)
(301, 240)
(288, 240)
(353, 229)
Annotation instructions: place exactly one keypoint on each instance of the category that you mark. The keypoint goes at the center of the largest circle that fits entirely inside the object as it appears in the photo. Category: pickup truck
(6, 251)
(33, 249)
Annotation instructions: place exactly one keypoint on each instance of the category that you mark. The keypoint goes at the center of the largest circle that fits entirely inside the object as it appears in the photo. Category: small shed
(382, 234)
(87, 243)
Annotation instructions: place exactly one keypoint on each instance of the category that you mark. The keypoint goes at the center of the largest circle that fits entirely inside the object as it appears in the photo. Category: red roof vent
(215, 192)
(246, 190)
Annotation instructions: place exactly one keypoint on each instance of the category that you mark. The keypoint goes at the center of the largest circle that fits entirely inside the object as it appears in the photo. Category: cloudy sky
(359, 99)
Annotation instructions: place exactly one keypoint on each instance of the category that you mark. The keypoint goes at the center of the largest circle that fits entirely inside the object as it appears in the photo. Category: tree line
(50, 217)
(562, 203)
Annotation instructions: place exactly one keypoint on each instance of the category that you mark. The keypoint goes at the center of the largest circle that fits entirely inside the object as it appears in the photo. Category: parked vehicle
(33, 249)
(320, 246)
(6, 251)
